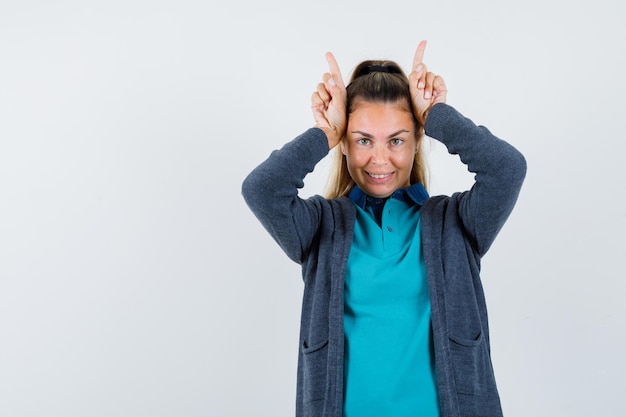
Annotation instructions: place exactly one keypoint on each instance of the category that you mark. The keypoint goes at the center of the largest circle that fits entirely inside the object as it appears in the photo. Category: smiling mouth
(379, 176)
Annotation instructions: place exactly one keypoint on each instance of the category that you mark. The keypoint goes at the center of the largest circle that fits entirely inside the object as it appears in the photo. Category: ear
(418, 141)
(342, 145)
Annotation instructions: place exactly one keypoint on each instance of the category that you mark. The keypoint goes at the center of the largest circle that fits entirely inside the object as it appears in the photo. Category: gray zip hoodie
(456, 232)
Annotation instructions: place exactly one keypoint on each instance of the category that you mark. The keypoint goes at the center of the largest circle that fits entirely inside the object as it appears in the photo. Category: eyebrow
(368, 135)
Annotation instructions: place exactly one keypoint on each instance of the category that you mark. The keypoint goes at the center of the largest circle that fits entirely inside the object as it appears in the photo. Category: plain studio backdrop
(134, 281)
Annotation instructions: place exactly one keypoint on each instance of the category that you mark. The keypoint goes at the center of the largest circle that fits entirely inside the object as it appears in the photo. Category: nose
(379, 155)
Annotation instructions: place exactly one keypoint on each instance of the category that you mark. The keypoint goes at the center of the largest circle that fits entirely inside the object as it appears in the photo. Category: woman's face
(380, 146)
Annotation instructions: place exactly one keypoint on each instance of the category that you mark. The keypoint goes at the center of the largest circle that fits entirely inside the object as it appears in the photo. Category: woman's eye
(397, 142)
(363, 141)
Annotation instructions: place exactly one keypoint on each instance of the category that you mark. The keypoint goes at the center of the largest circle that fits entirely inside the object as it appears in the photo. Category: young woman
(394, 321)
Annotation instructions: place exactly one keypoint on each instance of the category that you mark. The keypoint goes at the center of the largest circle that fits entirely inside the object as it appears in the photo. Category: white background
(134, 281)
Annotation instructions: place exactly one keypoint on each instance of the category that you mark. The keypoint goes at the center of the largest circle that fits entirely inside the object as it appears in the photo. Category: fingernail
(418, 69)
(420, 84)
(332, 82)
(427, 95)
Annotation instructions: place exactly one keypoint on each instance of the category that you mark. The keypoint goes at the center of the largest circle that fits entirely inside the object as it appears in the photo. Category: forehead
(380, 117)
(362, 102)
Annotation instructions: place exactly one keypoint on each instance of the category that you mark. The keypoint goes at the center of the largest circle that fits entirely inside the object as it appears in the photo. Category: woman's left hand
(427, 89)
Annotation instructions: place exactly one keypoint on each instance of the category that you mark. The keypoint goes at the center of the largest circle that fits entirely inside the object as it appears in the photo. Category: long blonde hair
(379, 82)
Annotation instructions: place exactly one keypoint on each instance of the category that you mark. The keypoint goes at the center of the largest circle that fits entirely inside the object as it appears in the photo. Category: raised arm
(500, 169)
(271, 189)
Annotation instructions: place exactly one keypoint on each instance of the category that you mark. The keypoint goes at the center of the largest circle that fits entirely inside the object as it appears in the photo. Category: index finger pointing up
(334, 69)
(419, 54)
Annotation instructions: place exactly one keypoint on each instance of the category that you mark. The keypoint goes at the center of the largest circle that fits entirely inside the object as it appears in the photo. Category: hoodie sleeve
(271, 192)
(500, 171)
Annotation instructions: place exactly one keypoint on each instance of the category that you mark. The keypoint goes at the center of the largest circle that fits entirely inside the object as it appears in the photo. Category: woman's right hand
(328, 103)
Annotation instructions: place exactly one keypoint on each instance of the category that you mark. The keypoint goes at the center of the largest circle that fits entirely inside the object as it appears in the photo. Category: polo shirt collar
(416, 193)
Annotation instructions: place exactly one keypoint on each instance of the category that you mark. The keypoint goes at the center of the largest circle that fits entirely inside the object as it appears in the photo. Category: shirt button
(390, 228)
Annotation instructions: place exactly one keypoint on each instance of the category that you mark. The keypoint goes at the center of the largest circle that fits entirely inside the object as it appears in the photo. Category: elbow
(259, 192)
(247, 186)
(513, 166)
(519, 166)
(250, 190)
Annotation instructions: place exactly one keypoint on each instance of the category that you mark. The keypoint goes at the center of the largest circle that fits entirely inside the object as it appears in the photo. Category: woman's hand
(427, 89)
(329, 103)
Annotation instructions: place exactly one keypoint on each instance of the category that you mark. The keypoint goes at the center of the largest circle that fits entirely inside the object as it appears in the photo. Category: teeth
(379, 176)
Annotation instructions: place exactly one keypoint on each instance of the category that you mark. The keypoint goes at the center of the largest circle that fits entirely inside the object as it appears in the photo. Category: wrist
(333, 136)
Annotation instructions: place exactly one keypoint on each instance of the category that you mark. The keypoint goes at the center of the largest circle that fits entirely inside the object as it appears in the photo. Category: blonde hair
(378, 82)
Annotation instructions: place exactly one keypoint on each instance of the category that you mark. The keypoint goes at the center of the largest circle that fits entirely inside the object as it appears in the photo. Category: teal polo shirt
(389, 361)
